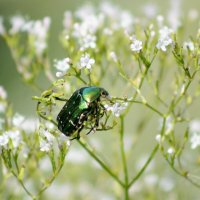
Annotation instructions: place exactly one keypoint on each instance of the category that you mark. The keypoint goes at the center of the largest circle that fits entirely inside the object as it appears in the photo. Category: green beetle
(84, 103)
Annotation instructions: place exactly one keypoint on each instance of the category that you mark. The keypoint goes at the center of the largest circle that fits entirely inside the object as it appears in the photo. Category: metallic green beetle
(84, 103)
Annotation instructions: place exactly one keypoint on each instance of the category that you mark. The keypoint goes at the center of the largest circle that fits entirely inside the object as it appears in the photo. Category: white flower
(2, 28)
(194, 125)
(38, 30)
(84, 11)
(45, 146)
(48, 136)
(160, 20)
(17, 24)
(3, 93)
(4, 140)
(113, 56)
(15, 137)
(170, 151)
(40, 46)
(174, 14)
(126, 20)
(117, 108)
(188, 45)
(169, 125)
(89, 41)
(29, 125)
(62, 139)
(150, 10)
(136, 45)
(110, 10)
(62, 66)
(164, 39)
(17, 119)
(193, 14)
(86, 61)
(2, 107)
(158, 138)
(67, 22)
(195, 140)
(49, 125)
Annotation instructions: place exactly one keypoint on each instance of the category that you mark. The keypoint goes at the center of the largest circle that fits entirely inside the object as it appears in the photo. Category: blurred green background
(20, 94)
(37, 9)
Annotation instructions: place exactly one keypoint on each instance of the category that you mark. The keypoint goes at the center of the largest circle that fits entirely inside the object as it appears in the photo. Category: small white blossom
(169, 125)
(193, 14)
(67, 22)
(45, 146)
(2, 28)
(17, 119)
(113, 56)
(17, 24)
(49, 125)
(170, 151)
(174, 14)
(194, 126)
(48, 136)
(86, 61)
(2, 107)
(160, 20)
(62, 139)
(188, 45)
(89, 41)
(3, 93)
(15, 137)
(62, 66)
(164, 38)
(158, 138)
(4, 140)
(29, 125)
(136, 45)
(126, 20)
(195, 140)
(150, 10)
(117, 108)
(38, 29)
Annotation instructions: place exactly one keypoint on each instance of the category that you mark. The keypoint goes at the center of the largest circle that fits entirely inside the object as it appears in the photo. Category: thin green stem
(124, 162)
(50, 181)
(145, 166)
(101, 163)
(143, 103)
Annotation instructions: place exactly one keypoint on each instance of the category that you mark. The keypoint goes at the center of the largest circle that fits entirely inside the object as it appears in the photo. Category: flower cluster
(116, 108)
(13, 136)
(164, 38)
(136, 45)
(195, 133)
(62, 66)
(86, 62)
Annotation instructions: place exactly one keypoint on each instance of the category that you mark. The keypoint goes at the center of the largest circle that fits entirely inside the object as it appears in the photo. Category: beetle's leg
(60, 99)
(78, 133)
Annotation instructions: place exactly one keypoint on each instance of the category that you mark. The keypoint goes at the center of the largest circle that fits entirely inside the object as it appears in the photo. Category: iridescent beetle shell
(83, 103)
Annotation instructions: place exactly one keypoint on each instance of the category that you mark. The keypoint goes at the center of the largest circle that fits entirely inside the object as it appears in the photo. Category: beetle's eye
(104, 94)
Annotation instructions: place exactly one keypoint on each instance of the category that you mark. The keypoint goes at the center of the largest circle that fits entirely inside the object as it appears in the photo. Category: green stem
(124, 162)
(145, 166)
(143, 103)
(101, 163)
